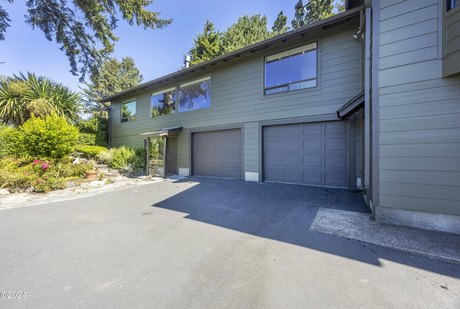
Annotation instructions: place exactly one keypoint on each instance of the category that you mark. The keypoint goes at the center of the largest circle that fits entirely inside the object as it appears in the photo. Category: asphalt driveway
(207, 243)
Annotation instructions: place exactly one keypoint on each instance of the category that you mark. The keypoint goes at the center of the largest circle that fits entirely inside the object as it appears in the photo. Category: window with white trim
(292, 70)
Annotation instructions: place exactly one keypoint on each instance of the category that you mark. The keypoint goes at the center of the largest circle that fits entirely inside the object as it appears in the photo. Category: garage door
(308, 153)
(217, 153)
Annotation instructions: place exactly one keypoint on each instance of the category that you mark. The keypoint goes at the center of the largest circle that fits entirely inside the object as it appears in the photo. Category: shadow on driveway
(284, 212)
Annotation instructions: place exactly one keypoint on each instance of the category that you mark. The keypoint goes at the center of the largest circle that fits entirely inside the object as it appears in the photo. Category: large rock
(4, 192)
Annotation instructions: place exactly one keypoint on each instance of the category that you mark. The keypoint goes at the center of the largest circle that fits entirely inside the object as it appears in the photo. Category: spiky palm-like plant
(24, 95)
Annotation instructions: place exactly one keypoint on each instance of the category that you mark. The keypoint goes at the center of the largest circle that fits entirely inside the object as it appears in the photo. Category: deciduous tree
(85, 28)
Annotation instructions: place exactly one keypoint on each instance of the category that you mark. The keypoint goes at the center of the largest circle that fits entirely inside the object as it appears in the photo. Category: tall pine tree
(246, 31)
(113, 76)
(299, 15)
(279, 26)
(207, 44)
(318, 10)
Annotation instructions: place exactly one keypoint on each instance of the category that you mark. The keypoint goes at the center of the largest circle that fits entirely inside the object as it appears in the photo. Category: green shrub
(11, 142)
(86, 139)
(121, 157)
(138, 160)
(102, 134)
(50, 137)
(105, 157)
(97, 128)
(90, 152)
(65, 169)
(42, 176)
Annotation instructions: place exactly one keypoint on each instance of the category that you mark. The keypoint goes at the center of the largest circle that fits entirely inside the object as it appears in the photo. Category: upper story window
(291, 70)
(195, 95)
(128, 111)
(183, 98)
(451, 4)
(163, 103)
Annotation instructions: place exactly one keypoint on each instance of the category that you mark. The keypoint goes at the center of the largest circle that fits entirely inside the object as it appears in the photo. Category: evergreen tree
(279, 26)
(112, 77)
(318, 10)
(299, 16)
(207, 44)
(246, 31)
(340, 6)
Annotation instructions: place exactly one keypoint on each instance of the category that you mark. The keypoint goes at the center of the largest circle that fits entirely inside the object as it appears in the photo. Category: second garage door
(308, 153)
(217, 153)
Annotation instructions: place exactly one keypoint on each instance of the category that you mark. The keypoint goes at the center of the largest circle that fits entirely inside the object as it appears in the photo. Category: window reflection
(195, 96)
(291, 70)
(163, 103)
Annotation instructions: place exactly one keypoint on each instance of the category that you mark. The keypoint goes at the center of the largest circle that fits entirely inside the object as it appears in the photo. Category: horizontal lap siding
(419, 112)
(237, 98)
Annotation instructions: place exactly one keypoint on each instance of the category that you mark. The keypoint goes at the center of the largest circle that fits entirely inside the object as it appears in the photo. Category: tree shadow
(284, 212)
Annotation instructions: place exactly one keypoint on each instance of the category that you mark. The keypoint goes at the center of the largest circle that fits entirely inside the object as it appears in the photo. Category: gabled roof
(263, 46)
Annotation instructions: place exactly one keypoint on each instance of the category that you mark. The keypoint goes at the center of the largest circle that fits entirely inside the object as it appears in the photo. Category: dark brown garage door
(308, 153)
(217, 153)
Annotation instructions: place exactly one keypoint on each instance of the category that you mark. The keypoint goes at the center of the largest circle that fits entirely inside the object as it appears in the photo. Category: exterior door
(217, 153)
(171, 156)
(307, 153)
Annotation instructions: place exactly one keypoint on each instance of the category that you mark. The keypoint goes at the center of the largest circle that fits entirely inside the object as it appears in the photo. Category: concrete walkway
(359, 226)
(208, 243)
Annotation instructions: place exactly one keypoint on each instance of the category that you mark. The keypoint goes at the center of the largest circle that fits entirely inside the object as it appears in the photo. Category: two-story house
(367, 100)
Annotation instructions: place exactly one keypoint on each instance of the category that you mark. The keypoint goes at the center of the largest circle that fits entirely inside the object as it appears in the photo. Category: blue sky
(156, 52)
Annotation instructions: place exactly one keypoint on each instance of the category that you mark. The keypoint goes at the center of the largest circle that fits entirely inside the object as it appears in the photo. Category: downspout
(367, 103)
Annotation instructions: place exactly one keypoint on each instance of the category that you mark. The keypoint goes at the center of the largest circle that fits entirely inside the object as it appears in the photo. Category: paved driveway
(207, 243)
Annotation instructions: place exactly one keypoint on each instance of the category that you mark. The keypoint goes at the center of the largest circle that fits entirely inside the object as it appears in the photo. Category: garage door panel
(217, 153)
(294, 145)
(313, 160)
(317, 157)
(284, 175)
(336, 160)
(313, 177)
(335, 177)
(336, 144)
(313, 144)
(233, 173)
(292, 159)
(335, 128)
(293, 131)
(312, 129)
(275, 160)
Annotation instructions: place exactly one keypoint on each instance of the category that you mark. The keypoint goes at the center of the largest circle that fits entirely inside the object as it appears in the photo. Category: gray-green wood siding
(419, 111)
(237, 98)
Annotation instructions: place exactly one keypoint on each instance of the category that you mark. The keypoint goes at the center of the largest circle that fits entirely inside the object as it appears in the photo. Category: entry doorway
(161, 156)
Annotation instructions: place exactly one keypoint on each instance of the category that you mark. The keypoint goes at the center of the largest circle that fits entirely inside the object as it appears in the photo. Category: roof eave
(251, 49)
